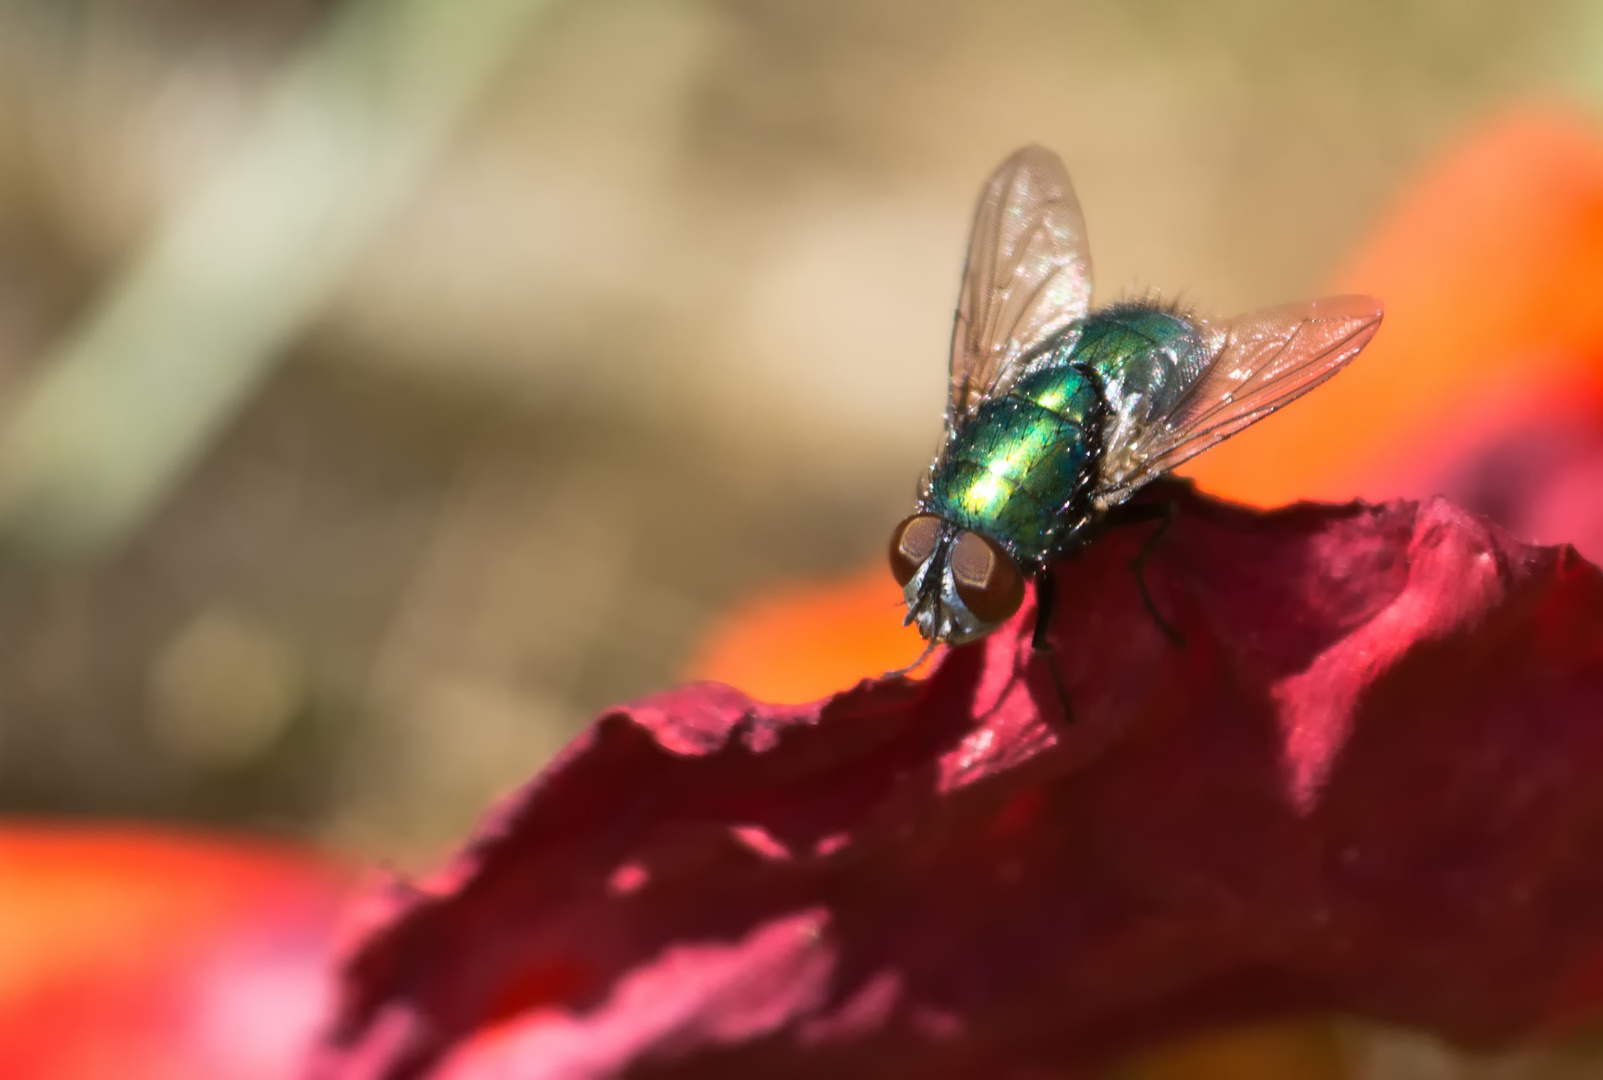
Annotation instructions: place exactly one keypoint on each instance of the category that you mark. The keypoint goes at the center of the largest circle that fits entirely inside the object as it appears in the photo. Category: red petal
(1367, 783)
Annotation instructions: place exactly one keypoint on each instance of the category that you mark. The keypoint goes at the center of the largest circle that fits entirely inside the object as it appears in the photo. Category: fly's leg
(1046, 595)
(1164, 514)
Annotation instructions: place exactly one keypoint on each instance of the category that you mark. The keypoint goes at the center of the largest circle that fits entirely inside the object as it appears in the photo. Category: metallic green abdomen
(1019, 460)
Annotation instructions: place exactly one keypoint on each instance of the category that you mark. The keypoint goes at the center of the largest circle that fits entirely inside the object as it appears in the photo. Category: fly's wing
(1027, 277)
(1256, 363)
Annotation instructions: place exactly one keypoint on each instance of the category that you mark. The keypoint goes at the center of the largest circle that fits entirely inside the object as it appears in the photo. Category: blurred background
(388, 386)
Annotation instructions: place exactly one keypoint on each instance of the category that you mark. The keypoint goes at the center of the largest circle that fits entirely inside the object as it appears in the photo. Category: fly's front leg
(1046, 594)
(1164, 514)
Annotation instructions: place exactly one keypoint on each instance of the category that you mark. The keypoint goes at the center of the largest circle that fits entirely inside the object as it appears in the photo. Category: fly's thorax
(1021, 461)
(1062, 388)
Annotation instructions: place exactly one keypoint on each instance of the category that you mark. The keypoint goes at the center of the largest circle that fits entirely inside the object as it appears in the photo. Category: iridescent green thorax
(1018, 461)
(1020, 470)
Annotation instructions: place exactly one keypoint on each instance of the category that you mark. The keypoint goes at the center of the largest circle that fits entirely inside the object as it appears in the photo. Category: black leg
(1046, 595)
(1164, 514)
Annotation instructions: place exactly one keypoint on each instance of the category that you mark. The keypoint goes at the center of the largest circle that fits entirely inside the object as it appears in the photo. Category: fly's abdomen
(1019, 461)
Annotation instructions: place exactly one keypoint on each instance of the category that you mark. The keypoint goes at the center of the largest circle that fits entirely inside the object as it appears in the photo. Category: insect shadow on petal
(1057, 414)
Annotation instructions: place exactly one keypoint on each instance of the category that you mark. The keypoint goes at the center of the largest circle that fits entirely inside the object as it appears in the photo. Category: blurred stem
(150, 375)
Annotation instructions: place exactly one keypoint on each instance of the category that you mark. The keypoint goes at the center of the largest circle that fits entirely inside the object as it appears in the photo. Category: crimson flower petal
(1367, 783)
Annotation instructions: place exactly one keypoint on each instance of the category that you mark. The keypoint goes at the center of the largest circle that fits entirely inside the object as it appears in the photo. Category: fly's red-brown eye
(988, 580)
(912, 543)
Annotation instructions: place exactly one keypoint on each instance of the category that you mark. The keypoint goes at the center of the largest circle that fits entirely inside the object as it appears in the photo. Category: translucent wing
(1027, 277)
(1256, 364)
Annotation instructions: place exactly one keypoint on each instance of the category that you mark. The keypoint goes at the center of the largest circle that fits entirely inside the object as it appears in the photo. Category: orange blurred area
(804, 642)
(1490, 267)
(137, 954)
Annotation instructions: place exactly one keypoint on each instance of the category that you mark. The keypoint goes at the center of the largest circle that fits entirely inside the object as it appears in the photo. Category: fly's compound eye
(912, 544)
(988, 580)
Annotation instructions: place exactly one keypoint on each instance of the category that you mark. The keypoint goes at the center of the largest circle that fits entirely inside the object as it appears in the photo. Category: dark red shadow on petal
(1365, 784)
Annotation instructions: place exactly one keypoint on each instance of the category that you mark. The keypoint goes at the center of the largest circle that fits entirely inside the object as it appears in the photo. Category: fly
(1057, 414)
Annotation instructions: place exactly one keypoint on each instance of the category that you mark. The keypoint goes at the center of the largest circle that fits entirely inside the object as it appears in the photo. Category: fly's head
(958, 585)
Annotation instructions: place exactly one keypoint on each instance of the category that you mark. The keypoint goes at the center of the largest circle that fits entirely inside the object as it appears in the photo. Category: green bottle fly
(1058, 414)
